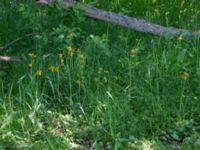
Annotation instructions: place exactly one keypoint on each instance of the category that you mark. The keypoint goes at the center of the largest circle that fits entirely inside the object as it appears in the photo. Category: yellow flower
(184, 76)
(51, 68)
(133, 51)
(30, 65)
(198, 31)
(31, 55)
(81, 56)
(21, 121)
(96, 79)
(78, 82)
(62, 62)
(70, 51)
(39, 72)
(69, 48)
(70, 35)
(60, 55)
(54, 69)
(105, 79)
(81, 59)
(100, 70)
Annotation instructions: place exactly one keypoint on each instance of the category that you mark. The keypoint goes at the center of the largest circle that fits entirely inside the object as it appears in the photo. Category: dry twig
(7, 58)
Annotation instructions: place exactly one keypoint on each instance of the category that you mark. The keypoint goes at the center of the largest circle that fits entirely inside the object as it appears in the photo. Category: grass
(85, 84)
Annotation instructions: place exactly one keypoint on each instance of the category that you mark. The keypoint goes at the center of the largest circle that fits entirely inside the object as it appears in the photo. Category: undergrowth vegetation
(85, 84)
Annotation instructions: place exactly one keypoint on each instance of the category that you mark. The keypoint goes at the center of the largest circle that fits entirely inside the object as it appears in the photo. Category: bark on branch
(128, 22)
(7, 58)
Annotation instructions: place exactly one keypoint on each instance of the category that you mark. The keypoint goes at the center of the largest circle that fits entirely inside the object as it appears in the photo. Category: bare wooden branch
(7, 58)
(129, 22)
(45, 1)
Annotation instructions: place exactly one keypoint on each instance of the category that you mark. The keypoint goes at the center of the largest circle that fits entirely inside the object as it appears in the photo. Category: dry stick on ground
(7, 58)
(128, 22)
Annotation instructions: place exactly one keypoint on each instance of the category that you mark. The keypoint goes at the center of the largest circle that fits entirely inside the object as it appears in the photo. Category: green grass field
(84, 84)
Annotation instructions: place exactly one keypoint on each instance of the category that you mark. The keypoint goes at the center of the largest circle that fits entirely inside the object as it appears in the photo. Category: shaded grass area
(84, 84)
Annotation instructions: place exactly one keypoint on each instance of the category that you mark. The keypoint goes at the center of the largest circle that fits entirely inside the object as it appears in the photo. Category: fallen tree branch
(128, 22)
(7, 58)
